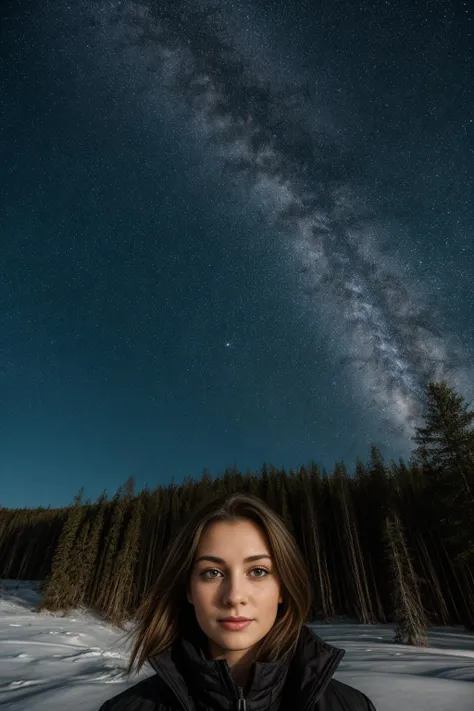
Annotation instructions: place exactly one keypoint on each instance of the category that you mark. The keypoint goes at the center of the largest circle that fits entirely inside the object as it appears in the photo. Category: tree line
(391, 542)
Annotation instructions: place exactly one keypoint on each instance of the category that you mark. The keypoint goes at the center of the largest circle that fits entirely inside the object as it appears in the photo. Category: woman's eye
(260, 576)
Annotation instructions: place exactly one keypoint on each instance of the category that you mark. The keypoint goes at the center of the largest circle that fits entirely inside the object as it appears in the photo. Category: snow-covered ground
(52, 663)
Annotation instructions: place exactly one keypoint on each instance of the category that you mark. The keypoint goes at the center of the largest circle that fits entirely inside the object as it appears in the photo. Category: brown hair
(166, 611)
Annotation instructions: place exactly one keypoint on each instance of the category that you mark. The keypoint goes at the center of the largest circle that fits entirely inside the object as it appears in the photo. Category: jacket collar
(198, 682)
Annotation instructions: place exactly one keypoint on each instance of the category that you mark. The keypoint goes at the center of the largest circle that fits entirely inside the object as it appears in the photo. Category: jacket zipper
(230, 684)
(241, 703)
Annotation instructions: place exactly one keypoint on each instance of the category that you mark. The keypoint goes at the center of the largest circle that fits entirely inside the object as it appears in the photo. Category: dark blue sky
(161, 312)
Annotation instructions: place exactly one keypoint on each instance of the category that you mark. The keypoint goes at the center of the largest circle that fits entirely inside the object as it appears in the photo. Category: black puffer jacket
(186, 681)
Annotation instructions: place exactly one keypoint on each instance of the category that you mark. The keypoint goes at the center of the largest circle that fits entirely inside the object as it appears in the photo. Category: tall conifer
(446, 453)
(407, 606)
(56, 588)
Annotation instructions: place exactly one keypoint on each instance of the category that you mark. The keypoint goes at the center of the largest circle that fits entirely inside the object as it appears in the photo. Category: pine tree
(313, 545)
(408, 609)
(122, 582)
(56, 588)
(102, 597)
(446, 453)
(77, 570)
(90, 550)
(447, 441)
(352, 561)
(371, 501)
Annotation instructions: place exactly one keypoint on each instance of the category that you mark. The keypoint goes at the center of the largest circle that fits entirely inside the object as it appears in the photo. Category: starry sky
(230, 233)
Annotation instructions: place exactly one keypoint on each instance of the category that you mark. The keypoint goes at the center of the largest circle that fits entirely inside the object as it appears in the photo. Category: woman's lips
(235, 626)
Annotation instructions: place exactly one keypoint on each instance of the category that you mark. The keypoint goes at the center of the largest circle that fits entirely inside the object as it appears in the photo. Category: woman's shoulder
(342, 697)
(150, 694)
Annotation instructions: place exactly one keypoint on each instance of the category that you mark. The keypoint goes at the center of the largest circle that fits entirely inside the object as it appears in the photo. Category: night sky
(228, 237)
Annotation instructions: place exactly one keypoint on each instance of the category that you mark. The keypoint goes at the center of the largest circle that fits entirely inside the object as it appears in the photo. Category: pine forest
(387, 542)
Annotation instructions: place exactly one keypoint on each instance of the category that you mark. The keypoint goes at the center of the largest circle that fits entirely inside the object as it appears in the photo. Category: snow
(53, 662)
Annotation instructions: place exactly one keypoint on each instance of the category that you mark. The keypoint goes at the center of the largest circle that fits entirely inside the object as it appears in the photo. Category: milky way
(382, 328)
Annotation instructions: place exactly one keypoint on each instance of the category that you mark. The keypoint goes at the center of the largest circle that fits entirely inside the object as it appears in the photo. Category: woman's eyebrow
(216, 559)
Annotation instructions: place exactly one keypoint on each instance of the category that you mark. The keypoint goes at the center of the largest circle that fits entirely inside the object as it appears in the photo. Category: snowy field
(50, 662)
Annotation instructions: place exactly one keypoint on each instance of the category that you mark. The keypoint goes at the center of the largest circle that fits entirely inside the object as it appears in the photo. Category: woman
(234, 558)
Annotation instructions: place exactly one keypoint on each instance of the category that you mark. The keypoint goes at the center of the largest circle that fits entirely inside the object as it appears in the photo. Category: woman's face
(224, 584)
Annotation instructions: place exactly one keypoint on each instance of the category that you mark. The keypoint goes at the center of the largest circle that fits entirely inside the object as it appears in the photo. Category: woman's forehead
(224, 536)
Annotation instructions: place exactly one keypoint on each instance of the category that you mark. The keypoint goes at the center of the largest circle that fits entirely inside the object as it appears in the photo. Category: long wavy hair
(165, 611)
